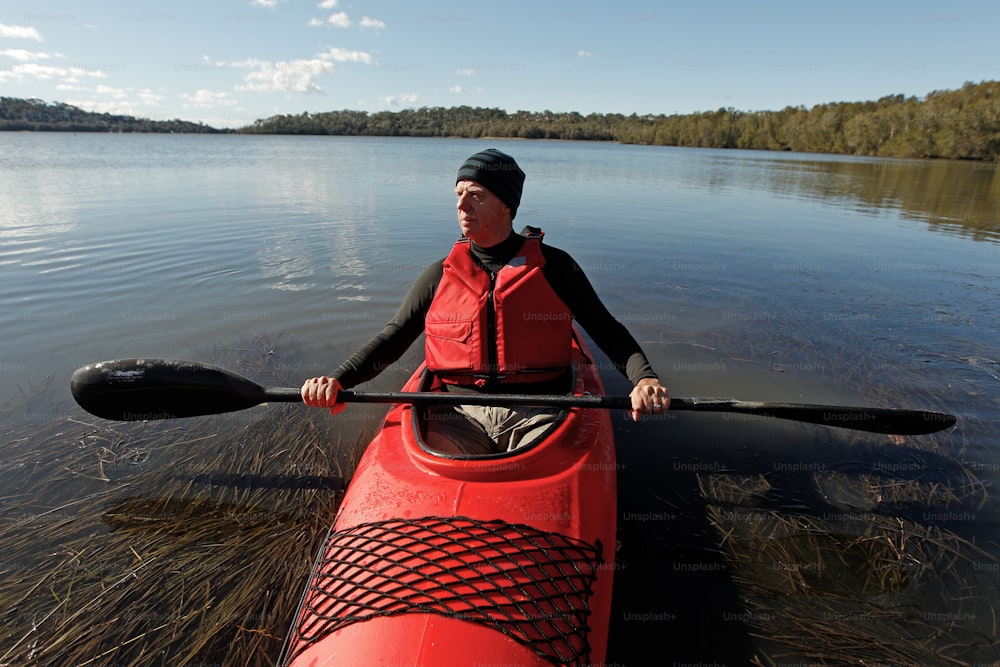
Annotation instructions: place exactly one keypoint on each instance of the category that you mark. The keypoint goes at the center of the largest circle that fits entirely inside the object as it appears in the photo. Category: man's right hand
(321, 392)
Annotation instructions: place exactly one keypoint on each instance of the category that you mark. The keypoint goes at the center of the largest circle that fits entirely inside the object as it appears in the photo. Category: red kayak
(499, 560)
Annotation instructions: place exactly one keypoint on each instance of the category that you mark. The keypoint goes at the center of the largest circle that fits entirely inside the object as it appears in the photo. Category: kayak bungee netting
(531, 585)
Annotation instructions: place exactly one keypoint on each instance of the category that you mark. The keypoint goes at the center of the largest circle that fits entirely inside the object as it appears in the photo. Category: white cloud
(149, 98)
(206, 99)
(456, 89)
(372, 24)
(584, 54)
(212, 64)
(264, 3)
(297, 76)
(405, 98)
(345, 56)
(466, 72)
(108, 99)
(113, 93)
(340, 19)
(74, 74)
(20, 32)
(24, 56)
(65, 75)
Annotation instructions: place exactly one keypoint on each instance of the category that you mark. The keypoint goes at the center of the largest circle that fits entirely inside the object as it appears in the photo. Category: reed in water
(166, 542)
(190, 541)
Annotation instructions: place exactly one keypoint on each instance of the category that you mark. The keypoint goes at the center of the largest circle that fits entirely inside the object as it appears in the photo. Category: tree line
(955, 124)
(19, 115)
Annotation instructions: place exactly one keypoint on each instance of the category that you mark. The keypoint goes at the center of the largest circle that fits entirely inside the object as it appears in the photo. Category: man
(497, 314)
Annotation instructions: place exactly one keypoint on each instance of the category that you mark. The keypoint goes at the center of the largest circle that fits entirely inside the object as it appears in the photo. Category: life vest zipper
(491, 331)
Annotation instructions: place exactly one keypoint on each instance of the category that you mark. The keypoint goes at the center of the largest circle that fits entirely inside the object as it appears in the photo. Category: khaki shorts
(477, 429)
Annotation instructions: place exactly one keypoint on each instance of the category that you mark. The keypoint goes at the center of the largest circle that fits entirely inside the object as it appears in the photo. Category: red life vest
(508, 327)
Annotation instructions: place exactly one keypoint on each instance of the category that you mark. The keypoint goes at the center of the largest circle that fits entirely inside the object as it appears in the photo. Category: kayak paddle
(148, 389)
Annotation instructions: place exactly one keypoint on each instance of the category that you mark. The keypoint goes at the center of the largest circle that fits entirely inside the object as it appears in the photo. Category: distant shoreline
(19, 115)
(953, 124)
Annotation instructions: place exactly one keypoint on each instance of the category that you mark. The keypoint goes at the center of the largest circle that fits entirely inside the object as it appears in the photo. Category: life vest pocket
(449, 345)
(449, 330)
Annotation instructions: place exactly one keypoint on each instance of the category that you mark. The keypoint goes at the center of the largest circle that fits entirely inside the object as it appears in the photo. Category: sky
(229, 62)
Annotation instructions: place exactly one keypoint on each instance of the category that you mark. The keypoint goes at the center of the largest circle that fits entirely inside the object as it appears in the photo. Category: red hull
(501, 561)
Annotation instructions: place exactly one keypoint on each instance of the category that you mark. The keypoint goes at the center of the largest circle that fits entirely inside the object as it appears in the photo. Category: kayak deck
(532, 586)
(506, 559)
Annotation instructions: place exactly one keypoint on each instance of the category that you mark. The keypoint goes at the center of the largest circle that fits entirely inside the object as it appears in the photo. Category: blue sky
(229, 62)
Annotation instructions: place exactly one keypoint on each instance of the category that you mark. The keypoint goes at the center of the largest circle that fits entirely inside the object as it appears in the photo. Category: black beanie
(497, 172)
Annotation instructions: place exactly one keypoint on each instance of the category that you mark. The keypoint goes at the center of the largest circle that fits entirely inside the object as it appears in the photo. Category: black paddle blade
(147, 389)
(873, 420)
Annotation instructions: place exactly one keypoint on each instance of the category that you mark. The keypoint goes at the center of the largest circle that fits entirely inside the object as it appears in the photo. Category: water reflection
(333, 214)
(951, 197)
(285, 261)
(959, 198)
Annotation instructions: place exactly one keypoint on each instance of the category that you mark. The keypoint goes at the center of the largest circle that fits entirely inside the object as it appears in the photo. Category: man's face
(483, 218)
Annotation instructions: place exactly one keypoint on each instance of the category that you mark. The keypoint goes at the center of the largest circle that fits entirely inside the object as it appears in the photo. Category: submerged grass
(165, 543)
(876, 557)
(190, 541)
(856, 585)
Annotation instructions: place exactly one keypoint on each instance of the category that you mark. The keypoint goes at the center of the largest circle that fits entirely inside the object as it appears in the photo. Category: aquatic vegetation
(164, 542)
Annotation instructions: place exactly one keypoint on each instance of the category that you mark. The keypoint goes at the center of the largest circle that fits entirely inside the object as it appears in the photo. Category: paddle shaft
(879, 420)
(143, 389)
(876, 420)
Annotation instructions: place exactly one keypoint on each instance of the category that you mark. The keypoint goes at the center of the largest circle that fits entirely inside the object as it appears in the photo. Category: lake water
(760, 276)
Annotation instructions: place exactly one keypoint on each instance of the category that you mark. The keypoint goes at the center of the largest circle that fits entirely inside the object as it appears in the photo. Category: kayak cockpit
(566, 443)
(419, 418)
